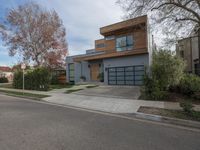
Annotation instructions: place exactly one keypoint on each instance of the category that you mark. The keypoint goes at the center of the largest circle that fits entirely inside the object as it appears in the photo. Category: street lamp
(23, 67)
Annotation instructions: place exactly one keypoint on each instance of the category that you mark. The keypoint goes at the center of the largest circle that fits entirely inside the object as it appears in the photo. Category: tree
(176, 17)
(167, 68)
(38, 35)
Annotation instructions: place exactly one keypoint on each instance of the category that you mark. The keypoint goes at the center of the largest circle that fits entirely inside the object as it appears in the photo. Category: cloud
(83, 19)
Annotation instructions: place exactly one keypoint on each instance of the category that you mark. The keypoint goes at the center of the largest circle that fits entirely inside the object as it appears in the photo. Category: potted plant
(83, 78)
(101, 77)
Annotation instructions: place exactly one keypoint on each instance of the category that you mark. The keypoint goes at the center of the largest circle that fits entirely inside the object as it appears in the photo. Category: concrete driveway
(124, 92)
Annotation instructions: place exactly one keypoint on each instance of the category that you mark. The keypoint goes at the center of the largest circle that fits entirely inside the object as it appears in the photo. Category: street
(28, 125)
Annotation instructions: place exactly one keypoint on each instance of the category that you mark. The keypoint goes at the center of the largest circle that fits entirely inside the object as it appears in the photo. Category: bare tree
(177, 18)
(38, 35)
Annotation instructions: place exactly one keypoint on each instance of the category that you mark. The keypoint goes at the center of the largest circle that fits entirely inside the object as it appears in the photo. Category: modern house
(117, 59)
(189, 50)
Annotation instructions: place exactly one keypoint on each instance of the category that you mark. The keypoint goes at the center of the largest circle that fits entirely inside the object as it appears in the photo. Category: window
(71, 72)
(124, 43)
(182, 53)
(110, 38)
(100, 45)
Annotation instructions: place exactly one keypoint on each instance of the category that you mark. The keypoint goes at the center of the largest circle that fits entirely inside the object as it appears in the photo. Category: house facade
(189, 50)
(6, 72)
(120, 58)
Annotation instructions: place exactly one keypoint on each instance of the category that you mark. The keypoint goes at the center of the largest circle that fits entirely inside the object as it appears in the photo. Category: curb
(138, 115)
(168, 120)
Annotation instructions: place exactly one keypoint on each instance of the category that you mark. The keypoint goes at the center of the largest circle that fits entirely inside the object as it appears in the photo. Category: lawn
(9, 85)
(171, 113)
(26, 95)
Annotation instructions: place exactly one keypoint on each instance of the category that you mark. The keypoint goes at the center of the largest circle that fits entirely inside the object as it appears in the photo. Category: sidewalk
(106, 104)
(112, 105)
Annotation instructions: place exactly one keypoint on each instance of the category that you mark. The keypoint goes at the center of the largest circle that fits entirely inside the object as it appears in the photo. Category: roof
(122, 25)
(5, 69)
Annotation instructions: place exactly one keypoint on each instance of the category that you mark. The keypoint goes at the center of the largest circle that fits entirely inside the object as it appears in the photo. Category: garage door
(129, 75)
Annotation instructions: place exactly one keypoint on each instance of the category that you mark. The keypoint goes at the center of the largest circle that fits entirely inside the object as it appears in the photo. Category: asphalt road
(27, 125)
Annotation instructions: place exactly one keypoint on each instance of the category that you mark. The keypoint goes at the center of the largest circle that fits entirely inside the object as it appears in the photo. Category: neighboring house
(189, 50)
(119, 58)
(6, 72)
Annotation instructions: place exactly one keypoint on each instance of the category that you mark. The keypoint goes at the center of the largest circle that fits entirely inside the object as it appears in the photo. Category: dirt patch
(170, 113)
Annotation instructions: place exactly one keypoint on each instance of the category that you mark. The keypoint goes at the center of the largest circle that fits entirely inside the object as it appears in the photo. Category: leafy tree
(36, 34)
(166, 70)
(176, 17)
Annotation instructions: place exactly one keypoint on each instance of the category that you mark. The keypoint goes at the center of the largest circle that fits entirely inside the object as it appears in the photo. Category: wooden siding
(136, 27)
(122, 25)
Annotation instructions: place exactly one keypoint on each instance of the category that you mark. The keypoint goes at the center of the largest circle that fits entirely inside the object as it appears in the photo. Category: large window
(124, 43)
(71, 72)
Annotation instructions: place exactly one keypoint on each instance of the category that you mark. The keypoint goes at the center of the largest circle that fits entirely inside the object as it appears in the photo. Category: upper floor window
(100, 45)
(109, 37)
(124, 43)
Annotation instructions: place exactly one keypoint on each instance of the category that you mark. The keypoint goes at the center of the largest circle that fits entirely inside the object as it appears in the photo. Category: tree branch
(180, 6)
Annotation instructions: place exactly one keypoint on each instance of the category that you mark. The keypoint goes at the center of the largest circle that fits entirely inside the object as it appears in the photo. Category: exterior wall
(190, 50)
(80, 69)
(8, 75)
(139, 37)
(124, 61)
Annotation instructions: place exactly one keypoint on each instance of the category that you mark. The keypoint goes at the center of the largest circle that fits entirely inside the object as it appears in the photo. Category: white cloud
(83, 19)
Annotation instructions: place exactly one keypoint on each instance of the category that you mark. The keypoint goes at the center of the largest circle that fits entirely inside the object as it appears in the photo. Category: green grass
(91, 86)
(195, 115)
(72, 90)
(6, 86)
(26, 95)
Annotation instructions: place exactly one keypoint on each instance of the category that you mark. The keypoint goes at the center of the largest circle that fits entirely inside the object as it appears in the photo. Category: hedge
(3, 80)
(37, 79)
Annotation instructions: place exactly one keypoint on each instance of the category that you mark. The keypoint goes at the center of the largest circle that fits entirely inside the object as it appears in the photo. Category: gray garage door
(128, 75)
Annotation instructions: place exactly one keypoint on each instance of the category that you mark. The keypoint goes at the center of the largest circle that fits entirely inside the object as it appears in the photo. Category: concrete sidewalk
(112, 105)
(106, 104)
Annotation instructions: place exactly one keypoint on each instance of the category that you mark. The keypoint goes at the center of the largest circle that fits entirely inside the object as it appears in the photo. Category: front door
(94, 71)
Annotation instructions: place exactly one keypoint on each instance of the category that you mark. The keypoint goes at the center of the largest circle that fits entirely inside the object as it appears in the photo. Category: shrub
(37, 79)
(18, 79)
(152, 90)
(3, 80)
(187, 107)
(54, 79)
(166, 71)
(189, 84)
(101, 77)
(83, 78)
(167, 68)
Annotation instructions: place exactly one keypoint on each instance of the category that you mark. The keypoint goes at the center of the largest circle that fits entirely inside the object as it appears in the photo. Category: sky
(81, 18)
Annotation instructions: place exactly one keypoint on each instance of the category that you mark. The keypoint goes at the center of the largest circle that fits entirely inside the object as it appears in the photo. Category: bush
(166, 71)
(101, 77)
(3, 80)
(54, 79)
(37, 79)
(152, 90)
(187, 107)
(189, 84)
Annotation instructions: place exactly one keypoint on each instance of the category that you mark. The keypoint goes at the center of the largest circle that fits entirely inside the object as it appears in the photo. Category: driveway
(124, 92)
(29, 125)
